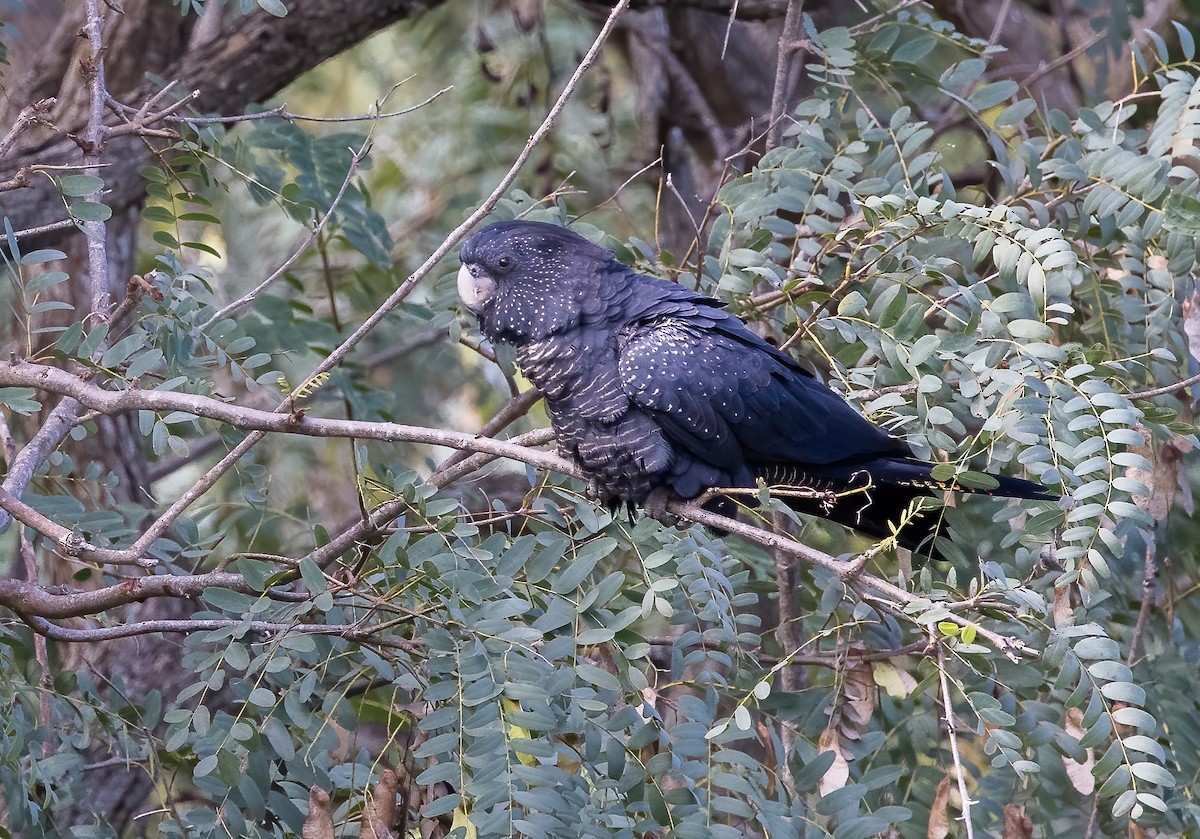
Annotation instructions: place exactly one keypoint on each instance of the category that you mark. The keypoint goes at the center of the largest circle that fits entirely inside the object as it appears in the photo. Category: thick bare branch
(54, 380)
(256, 56)
(26, 598)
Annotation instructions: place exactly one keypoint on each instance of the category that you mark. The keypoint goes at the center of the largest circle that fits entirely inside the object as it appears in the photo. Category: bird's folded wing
(727, 397)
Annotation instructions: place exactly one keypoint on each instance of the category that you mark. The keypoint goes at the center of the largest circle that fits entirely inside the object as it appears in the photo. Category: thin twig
(783, 67)
(29, 232)
(93, 147)
(869, 23)
(138, 550)
(1149, 575)
(313, 234)
(365, 634)
(139, 123)
(1039, 73)
(952, 733)
(40, 653)
(29, 115)
(281, 112)
(402, 348)
(1094, 819)
(1001, 17)
(447, 476)
(790, 674)
(1164, 390)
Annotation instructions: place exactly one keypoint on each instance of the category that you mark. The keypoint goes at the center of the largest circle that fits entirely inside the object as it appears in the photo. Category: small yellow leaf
(897, 682)
(948, 628)
(461, 819)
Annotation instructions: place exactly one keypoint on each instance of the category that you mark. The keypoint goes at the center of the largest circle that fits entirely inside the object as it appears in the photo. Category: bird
(657, 392)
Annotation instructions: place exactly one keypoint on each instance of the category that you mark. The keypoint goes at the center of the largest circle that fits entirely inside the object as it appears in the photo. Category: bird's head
(527, 279)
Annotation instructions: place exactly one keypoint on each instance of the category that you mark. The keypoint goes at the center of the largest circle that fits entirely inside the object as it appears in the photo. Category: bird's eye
(504, 262)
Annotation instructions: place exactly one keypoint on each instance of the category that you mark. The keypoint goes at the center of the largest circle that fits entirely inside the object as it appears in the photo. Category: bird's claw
(655, 506)
(591, 490)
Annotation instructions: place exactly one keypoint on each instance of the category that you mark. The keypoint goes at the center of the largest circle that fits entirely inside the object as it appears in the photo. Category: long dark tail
(882, 498)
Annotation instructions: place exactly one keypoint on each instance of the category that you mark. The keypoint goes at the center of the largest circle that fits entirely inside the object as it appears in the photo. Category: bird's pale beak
(474, 289)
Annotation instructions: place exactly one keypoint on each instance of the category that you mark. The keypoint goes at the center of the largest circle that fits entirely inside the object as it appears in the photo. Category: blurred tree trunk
(232, 62)
(707, 84)
(707, 93)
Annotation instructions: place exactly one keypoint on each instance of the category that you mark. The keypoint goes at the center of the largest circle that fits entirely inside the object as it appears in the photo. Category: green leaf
(1153, 773)
(39, 257)
(915, 50)
(1182, 211)
(1146, 745)
(205, 766)
(261, 697)
(79, 185)
(201, 246)
(121, 350)
(314, 578)
(1124, 692)
(1117, 782)
(20, 400)
(1135, 717)
(158, 214)
(813, 770)
(91, 211)
(862, 827)
(1097, 647)
(585, 560)
(227, 600)
(46, 280)
(92, 342)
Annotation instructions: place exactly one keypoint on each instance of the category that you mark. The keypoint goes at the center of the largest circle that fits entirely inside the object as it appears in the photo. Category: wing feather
(732, 401)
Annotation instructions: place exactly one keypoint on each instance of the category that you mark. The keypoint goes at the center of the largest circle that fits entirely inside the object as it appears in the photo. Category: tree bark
(252, 58)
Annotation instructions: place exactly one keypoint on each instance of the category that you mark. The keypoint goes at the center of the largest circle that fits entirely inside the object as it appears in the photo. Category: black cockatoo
(656, 390)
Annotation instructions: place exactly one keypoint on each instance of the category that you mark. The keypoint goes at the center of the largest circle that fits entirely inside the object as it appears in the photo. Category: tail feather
(881, 497)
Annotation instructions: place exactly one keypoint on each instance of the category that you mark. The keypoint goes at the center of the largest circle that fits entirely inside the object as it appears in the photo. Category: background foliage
(495, 655)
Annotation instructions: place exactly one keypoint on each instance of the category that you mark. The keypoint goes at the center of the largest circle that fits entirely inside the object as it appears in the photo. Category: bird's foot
(656, 503)
(592, 492)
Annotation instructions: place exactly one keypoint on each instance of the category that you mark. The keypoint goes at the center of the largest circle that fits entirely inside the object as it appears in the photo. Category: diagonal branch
(850, 572)
(54, 380)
